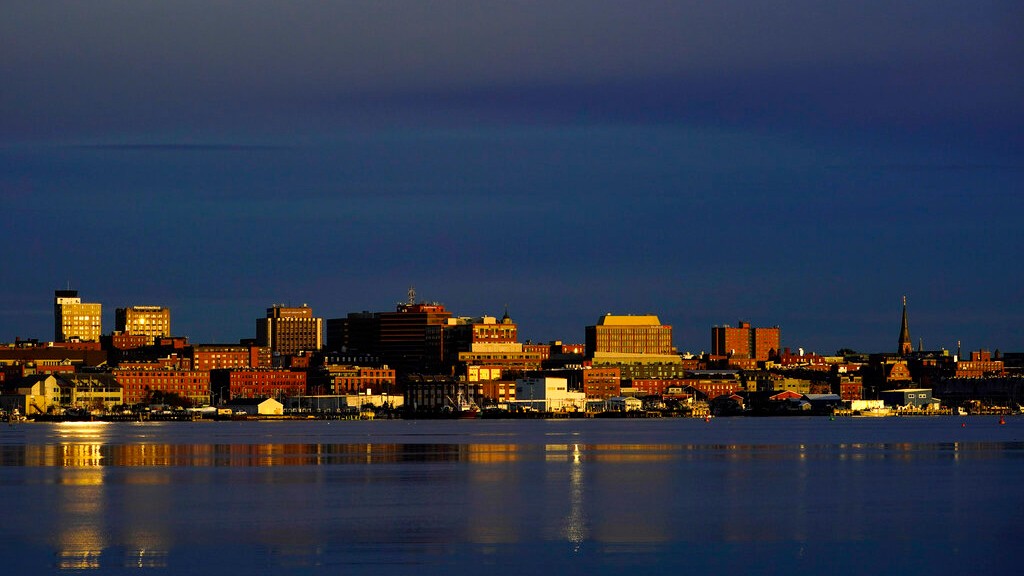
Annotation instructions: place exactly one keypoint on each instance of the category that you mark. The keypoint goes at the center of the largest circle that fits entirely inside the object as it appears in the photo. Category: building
(230, 384)
(38, 394)
(745, 341)
(602, 383)
(472, 346)
(349, 379)
(218, 356)
(440, 394)
(980, 365)
(140, 384)
(629, 335)
(75, 320)
(408, 338)
(548, 394)
(288, 330)
(905, 346)
(150, 321)
(916, 398)
(257, 407)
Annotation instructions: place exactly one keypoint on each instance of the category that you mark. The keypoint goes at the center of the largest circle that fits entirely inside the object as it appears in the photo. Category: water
(733, 496)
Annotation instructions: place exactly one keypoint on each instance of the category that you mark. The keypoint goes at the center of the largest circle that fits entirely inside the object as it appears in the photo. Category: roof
(248, 401)
(615, 320)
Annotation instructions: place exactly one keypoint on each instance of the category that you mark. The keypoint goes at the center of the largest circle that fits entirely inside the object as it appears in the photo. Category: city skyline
(708, 344)
(803, 165)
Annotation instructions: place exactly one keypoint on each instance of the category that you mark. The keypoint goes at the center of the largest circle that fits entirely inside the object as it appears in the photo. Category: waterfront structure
(90, 391)
(548, 394)
(917, 398)
(256, 407)
(289, 330)
(38, 394)
(74, 319)
(440, 394)
(905, 346)
(150, 321)
(745, 341)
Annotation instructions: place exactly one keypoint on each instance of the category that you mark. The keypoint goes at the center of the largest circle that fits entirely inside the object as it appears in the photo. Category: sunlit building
(745, 341)
(287, 330)
(150, 321)
(74, 319)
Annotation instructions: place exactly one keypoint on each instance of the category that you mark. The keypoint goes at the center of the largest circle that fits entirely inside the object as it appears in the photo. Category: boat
(874, 411)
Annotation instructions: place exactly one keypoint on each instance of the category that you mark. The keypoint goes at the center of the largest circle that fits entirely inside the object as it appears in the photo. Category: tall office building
(288, 330)
(745, 341)
(75, 320)
(618, 335)
(150, 321)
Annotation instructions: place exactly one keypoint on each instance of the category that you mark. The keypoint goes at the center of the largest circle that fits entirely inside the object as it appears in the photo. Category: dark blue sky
(804, 166)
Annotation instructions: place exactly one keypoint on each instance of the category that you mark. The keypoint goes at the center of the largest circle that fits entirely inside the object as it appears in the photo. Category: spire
(906, 346)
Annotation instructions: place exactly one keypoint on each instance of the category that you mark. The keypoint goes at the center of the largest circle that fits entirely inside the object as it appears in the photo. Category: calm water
(733, 496)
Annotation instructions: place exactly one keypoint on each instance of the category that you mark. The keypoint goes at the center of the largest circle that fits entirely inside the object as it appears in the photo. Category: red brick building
(236, 356)
(257, 383)
(980, 365)
(138, 383)
(603, 383)
(745, 341)
(337, 379)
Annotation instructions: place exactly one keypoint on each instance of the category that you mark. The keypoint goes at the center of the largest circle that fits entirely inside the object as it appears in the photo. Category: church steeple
(906, 346)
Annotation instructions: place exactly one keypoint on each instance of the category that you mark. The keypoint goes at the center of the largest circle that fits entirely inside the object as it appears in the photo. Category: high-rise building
(288, 330)
(618, 335)
(150, 321)
(745, 341)
(402, 335)
(74, 319)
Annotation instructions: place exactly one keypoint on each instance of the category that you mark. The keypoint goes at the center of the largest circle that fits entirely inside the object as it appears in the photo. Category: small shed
(256, 406)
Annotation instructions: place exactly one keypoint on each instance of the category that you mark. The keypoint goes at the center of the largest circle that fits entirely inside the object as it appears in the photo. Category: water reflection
(81, 452)
(100, 501)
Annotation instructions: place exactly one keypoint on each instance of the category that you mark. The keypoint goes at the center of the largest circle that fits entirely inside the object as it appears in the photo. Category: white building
(548, 394)
(256, 406)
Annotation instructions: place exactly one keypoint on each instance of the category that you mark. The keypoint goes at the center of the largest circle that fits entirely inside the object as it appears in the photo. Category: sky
(804, 164)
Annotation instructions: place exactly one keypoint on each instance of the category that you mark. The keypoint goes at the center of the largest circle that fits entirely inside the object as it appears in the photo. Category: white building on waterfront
(548, 394)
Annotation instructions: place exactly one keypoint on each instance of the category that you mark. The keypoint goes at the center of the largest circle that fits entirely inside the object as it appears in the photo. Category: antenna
(412, 295)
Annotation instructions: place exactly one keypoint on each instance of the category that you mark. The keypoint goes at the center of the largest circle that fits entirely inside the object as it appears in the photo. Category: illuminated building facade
(288, 330)
(256, 383)
(630, 335)
(150, 321)
(745, 341)
(74, 319)
(138, 384)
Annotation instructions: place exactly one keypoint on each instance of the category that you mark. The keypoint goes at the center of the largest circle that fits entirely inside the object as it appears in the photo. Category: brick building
(745, 341)
(287, 330)
(602, 382)
(229, 384)
(139, 382)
